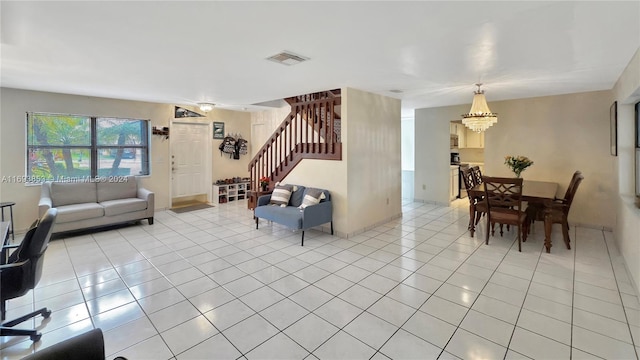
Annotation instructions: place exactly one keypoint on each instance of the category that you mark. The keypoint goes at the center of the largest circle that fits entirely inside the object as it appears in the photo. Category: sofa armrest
(148, 196)
(318, 214)
(264, 200)
(45, 200)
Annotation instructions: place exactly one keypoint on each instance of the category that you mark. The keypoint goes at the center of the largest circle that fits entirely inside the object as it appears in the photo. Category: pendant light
(479, 118)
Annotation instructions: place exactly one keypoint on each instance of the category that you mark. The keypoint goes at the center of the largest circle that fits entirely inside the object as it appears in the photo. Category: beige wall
(560, 134)
(263, 123)
(568, 133)
(374, 165)
(16, 103)
(433, 153)
(369, 173)
(235, 122)
(627, 228)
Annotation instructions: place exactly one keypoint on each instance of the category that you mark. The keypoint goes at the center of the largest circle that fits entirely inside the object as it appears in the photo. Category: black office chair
(86, 346)
(21, 272)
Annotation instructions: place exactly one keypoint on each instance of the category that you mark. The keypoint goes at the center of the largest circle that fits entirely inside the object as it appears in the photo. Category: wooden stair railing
(299, 137)
(320, 116)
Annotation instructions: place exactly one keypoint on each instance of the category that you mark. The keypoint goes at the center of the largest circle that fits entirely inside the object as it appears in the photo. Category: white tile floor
(207, 285)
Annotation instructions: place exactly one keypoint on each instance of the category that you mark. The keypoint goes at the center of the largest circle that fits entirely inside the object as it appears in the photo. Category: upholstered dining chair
(22, 271)
(480, 206)
(503, 197)
(535, 210)
(558, 212)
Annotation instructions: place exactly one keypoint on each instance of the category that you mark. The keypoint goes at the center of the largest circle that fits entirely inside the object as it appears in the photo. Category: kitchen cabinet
(458, 132)
(453, 128)
(467, 138)
(474, 139)
(454, 182)
(462, 136)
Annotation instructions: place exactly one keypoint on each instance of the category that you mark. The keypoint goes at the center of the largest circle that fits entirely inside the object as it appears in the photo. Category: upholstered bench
(296, 207)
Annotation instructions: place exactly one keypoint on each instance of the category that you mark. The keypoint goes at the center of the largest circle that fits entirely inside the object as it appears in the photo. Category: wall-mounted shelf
(162, 132)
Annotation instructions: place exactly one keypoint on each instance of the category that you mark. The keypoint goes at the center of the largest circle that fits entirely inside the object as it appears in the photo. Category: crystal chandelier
(479, 118)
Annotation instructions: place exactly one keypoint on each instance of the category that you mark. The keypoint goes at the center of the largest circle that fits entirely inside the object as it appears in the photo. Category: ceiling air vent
(287, 58)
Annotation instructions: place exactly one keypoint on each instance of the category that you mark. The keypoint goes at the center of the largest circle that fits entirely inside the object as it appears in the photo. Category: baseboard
(432, 202)
(372, 226)
(592, 226)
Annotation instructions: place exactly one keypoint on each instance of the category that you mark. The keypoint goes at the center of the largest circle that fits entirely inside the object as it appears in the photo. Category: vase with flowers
(264, 182)
(517, 164)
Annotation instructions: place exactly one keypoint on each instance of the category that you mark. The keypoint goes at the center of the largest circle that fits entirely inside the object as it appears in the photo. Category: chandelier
(479, 118)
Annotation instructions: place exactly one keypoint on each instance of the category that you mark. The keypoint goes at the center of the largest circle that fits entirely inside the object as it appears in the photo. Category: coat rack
(163, 132)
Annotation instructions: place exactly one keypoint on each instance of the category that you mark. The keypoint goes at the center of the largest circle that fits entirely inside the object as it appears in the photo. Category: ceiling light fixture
(206, 107)
(479, 118)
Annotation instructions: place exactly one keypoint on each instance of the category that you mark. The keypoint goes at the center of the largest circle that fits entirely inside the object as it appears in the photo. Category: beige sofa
(89, 204)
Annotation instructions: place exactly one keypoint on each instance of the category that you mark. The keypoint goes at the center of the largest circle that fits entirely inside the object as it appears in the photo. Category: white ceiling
(189, 52)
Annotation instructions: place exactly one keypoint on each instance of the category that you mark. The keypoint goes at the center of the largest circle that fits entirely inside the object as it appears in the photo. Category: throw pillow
(281, 195)
(311, 197)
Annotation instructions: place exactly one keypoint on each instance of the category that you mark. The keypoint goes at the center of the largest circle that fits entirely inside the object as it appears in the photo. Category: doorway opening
(190, 169)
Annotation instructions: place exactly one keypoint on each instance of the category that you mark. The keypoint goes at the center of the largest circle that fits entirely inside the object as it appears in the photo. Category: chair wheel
(46, 314)
(35, 337)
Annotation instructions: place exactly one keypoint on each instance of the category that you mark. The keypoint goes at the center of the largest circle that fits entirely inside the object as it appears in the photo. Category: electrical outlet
(387, 201)
(424, 187)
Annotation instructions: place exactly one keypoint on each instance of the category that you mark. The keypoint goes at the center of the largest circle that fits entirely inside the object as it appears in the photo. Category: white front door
(190, 159)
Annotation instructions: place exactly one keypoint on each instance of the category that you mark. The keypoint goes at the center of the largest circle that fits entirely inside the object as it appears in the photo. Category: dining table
(532, 191)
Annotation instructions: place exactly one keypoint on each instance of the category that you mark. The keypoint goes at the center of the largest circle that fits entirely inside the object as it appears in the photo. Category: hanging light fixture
(479, 118)
(206, 107)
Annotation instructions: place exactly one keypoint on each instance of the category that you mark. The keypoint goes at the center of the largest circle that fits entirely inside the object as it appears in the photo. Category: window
(73, 147)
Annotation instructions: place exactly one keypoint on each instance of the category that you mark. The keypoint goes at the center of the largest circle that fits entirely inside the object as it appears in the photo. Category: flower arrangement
(264, 181)
(517, 164)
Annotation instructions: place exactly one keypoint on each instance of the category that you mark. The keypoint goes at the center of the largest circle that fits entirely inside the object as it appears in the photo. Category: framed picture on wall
(613, 119)
(218, 130)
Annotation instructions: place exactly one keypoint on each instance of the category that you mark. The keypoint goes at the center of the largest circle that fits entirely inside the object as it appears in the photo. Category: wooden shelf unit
(224, 193)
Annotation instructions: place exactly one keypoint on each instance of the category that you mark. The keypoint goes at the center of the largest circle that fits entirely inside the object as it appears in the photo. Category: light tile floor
(208, 285)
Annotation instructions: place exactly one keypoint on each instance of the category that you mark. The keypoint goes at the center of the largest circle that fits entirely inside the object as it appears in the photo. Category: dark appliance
(455, 159)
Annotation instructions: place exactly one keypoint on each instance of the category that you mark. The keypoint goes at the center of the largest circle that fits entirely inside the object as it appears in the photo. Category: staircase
(311, 130)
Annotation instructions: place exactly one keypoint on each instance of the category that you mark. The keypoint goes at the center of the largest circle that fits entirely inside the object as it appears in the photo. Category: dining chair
(477, 174)
(535, 210)
(558, 212)
(503, 197)
(474, 201)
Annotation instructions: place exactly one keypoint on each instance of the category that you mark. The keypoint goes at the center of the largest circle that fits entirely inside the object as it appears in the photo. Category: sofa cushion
(281, 195)
(297, 195)
(123, 206)
(127, 188)
(288, 216)
(66, 193)
(74, 212)
(311, 197)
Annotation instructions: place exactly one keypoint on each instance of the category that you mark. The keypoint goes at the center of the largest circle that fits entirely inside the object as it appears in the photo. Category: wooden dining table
(532, 191)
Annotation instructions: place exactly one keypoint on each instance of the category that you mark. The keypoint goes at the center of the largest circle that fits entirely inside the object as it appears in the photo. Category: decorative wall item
(181, 112)
(218, 130)
(613, 122)
(234, 145)
(163, 132)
